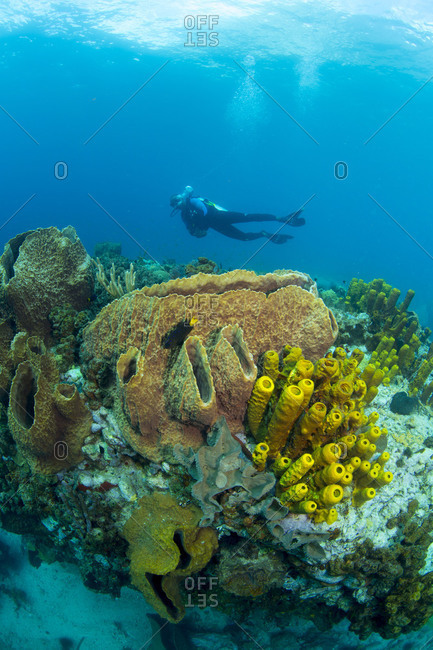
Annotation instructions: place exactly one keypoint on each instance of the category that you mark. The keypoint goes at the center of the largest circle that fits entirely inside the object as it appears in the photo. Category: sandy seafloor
(60, 607)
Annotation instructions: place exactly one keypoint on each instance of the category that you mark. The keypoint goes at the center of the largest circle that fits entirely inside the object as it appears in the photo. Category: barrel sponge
(6, 358)
(47, 419)
(41, 269)
(165, 545)
(270, 308)
(190, 390)
(233, 372)
(240, 315)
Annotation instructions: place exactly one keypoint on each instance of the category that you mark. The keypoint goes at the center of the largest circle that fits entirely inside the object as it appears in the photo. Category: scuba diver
(200, 214)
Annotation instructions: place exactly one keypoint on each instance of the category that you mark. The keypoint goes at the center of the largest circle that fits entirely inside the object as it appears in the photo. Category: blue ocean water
(107, 109)
(256, 123)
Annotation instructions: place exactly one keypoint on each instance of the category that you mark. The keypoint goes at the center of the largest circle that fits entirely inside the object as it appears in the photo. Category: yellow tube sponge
(353, 420)
(380, 301)
(357, 354)
(341, 391)
(384, 478)
(347, 478)
(373, 417)
(392, 299)
(353, 464)
(423, 372)
(260, 455)
(333, 420)
(271, 363)
(322, 515)
(368, 373)
(361, 496)
(383, 458)
(330, 495)
(291, 358)
(297, 492)
(427, 391)
(364, 468)
(407, 300)
(370, 451)
(339, 353)
(332, 473)
(303, 370)
(361, 447)
(307, 387)
(262, 391)
(303, 507)
(326, 368)
(368, 478)
(296, 471)
(371, 394)
(286, 412)
(359, 389)
(346, 442)
(377, 378)
(280, 465)
(326, 455)
(313, 419)
(373, 433)
(403, 355)
(348, 368)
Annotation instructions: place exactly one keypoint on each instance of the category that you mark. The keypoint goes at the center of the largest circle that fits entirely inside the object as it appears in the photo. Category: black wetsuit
(200, 214)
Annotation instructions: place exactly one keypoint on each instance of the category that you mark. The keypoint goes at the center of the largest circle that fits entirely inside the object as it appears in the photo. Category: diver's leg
(234, 233)
(239, 217)
(292, 219)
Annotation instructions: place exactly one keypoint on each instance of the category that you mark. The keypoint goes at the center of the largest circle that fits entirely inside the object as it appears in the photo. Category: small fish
(177, 334)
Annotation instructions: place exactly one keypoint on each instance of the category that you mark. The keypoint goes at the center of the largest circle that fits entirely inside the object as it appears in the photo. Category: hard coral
(202, 265)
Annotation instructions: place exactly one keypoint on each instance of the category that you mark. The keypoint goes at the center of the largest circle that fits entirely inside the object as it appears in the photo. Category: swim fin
(276, 239)
(293, 219)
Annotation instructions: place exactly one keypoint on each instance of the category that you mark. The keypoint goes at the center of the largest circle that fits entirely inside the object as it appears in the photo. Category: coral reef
(201, 265)
(115, 287)
(172, 441)
(66, 327)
